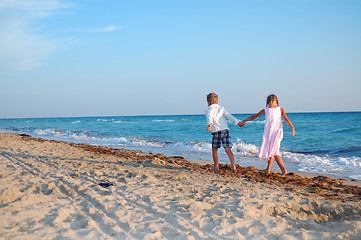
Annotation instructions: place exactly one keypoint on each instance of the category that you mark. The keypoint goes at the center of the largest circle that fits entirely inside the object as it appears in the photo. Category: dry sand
(59, 190)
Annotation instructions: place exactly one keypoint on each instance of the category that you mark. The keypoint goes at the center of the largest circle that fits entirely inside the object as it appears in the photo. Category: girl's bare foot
(233, 168)
(284, 173)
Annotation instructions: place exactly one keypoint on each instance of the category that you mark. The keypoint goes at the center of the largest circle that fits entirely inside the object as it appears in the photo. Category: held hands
(241, 124)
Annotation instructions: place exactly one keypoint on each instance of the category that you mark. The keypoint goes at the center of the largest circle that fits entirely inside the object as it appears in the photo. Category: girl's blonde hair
(212, 98)
(271, 98)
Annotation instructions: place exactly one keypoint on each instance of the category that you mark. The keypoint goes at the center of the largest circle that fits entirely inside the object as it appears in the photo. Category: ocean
(325, 143)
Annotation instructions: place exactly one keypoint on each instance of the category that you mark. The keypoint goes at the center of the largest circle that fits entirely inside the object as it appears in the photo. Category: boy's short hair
(212, 98)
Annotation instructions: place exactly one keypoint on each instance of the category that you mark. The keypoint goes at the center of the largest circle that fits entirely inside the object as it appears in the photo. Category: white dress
(272, 134)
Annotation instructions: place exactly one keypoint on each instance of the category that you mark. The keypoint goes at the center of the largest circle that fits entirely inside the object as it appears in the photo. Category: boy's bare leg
(281, 165)
(231, 158)
(268, 169)
(215, 159)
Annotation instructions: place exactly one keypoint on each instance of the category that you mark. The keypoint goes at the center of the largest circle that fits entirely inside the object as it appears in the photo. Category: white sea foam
(305, 162)
(356, 177)
(198, 147)
(256, 122)
(111, 121)
(144, 142)
(48, 132)
(164, 120)
(106, 120)
(244, 149)
(322, 164)
(103, 120)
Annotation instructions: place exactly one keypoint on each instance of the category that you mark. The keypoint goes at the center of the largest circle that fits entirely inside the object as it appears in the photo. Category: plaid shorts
(221, 137)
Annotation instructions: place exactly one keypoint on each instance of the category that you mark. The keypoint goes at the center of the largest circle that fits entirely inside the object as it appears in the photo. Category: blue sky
(110, 58)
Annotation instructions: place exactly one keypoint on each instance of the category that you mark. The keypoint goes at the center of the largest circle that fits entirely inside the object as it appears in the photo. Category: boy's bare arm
(209, 128)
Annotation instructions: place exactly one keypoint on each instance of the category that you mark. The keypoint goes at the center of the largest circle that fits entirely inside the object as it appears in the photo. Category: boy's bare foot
(233, 168)
(215, 168)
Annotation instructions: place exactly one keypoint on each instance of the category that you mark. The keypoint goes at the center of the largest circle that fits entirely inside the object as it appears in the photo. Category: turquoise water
(328, 143)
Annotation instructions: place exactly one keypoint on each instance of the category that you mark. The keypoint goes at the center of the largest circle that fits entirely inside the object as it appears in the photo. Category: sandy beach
(60, 190)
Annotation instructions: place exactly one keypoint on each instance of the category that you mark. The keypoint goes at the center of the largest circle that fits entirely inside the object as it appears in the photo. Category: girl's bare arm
(289, 123)
(254, 116)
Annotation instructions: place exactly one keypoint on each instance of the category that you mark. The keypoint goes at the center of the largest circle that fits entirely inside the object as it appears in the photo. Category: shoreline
(53, 190)
(352, 182)
(251, 173)
(290, 166)
(243, 161)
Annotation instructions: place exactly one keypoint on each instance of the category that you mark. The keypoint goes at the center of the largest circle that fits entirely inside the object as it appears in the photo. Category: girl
(273, 133)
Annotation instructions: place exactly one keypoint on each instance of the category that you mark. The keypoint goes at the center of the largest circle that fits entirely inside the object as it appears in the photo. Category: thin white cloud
(22, 46)
(20, 50)
(34, 8)
(110, 28)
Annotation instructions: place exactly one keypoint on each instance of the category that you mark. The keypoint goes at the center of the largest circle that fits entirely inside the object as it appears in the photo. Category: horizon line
(150, 115)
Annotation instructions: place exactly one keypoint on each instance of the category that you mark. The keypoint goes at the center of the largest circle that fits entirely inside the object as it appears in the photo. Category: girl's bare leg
(280, 164)
(268, 169)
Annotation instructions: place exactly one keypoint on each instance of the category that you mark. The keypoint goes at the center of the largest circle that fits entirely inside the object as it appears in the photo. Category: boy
(217, 123)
